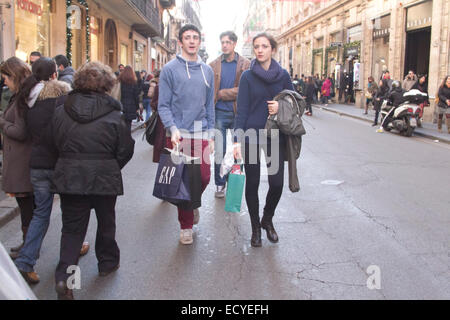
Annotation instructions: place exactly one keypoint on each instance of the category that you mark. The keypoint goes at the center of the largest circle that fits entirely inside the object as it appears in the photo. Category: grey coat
(16, 151)
(289, 121)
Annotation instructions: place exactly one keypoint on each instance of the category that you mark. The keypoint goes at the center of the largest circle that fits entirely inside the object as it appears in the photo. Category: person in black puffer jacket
(129, 94)
(94, 143)
(38, 98)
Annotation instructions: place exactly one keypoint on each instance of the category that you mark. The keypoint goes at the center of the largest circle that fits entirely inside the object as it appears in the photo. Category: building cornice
(317, 16)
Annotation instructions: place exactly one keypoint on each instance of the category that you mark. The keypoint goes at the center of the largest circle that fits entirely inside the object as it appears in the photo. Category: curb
(9, 208)
(417, 133)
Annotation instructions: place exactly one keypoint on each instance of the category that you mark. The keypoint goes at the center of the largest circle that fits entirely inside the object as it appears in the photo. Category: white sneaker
(196, 216)
(220, 192)
(186, 236)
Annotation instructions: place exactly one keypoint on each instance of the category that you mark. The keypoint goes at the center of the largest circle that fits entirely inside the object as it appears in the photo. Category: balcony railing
(150, 13)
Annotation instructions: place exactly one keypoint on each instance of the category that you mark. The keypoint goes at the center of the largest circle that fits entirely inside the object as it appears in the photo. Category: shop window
(124, 54)
(32, 28)
(354, 34)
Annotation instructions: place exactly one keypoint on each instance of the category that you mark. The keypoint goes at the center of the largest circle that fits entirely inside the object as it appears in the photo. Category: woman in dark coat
(38, 97)
(422, 86)
(380, 96)
(444, 103)
(309, 92)
(257, 90)
(16, 146)
(94, 143)
(129, 94)
(160, 138)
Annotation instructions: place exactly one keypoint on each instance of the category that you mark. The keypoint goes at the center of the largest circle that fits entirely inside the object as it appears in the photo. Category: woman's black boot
(256, 235)
(267, 224)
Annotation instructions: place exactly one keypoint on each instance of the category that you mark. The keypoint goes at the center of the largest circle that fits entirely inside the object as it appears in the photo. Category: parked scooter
(406, 116)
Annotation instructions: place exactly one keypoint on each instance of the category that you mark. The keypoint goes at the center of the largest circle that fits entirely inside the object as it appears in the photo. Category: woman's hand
(237, 151)
(273, 107)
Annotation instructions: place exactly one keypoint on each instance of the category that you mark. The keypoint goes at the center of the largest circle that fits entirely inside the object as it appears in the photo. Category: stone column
(439, 39)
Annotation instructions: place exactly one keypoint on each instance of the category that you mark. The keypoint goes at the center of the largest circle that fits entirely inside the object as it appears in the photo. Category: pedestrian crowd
(68, 132)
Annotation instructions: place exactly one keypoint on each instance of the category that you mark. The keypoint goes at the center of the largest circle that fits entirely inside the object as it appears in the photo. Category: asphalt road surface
(388, 219)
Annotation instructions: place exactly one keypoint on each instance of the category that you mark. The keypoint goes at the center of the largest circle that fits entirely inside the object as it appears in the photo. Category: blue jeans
(224, 121)
(43, 199)
(148, 110)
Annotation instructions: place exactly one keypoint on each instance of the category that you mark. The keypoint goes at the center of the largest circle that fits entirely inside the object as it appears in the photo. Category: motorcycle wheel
(409, 130)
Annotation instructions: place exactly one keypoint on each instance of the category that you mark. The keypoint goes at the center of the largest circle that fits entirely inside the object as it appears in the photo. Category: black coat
(94, 144)
(380, 95)
(309, 92)
(444, 95)
(130, 100)
(396, 96)
(39, 118)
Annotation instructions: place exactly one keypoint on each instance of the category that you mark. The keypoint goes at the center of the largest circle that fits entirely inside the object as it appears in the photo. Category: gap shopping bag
(172, 180)
(235, 189)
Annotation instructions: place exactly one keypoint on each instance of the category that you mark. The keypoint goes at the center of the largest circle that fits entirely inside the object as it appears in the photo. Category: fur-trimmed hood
(54, 89)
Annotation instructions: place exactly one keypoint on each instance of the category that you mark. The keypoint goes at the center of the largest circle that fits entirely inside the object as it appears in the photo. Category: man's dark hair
(61, 60)
(230, 34)
(188, 27)
(121, 65)
(35, 54)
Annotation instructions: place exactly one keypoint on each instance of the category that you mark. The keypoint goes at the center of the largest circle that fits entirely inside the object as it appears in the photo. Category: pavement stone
(9, 208)
(428, 130)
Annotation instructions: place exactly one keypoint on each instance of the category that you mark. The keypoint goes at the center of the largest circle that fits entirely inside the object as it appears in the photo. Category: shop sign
(352, 51)
(30, 6)
(336, 44)
(381, 33)
(419, 16)
(381, 27)
(74, 20)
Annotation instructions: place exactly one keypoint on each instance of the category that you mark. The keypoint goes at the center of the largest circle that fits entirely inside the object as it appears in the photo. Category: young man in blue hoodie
(186, 108)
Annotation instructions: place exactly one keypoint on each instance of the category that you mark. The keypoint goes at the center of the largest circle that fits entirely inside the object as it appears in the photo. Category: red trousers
(194, 148)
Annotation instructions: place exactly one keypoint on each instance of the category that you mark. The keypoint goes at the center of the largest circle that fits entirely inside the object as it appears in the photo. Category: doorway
(111, 44)
(417, 53)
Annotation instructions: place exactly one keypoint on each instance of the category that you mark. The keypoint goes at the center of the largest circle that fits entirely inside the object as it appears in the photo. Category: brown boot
(30, 277)
(448, 125)
(440, 125)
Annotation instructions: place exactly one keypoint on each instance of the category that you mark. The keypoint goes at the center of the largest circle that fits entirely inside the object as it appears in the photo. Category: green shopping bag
(235, 189)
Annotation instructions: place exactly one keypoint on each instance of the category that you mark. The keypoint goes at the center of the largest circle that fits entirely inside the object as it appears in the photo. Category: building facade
(364, 38)
(111, 31)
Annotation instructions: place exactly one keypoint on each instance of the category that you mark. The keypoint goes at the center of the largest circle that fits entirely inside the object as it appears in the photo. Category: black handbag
(150, 128)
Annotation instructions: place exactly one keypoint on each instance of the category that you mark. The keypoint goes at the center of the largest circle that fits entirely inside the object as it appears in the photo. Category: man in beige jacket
(228, 69)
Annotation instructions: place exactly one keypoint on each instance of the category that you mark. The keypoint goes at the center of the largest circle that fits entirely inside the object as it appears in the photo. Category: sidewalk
(428, 130)
(8, 207)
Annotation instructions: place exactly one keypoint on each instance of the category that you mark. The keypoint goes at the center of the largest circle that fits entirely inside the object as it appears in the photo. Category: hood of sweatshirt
(274, 74)
(69, 71)
(193, 65)
(86, 107)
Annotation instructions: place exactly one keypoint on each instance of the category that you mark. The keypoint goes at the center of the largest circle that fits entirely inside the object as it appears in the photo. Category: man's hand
(219, 95)
(176, 137)
(211, 146)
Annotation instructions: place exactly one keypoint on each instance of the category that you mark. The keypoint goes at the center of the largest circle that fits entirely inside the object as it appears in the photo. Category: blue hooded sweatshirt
(186, 96)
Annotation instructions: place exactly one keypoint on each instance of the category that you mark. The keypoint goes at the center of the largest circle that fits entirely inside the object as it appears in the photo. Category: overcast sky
(218, 16)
